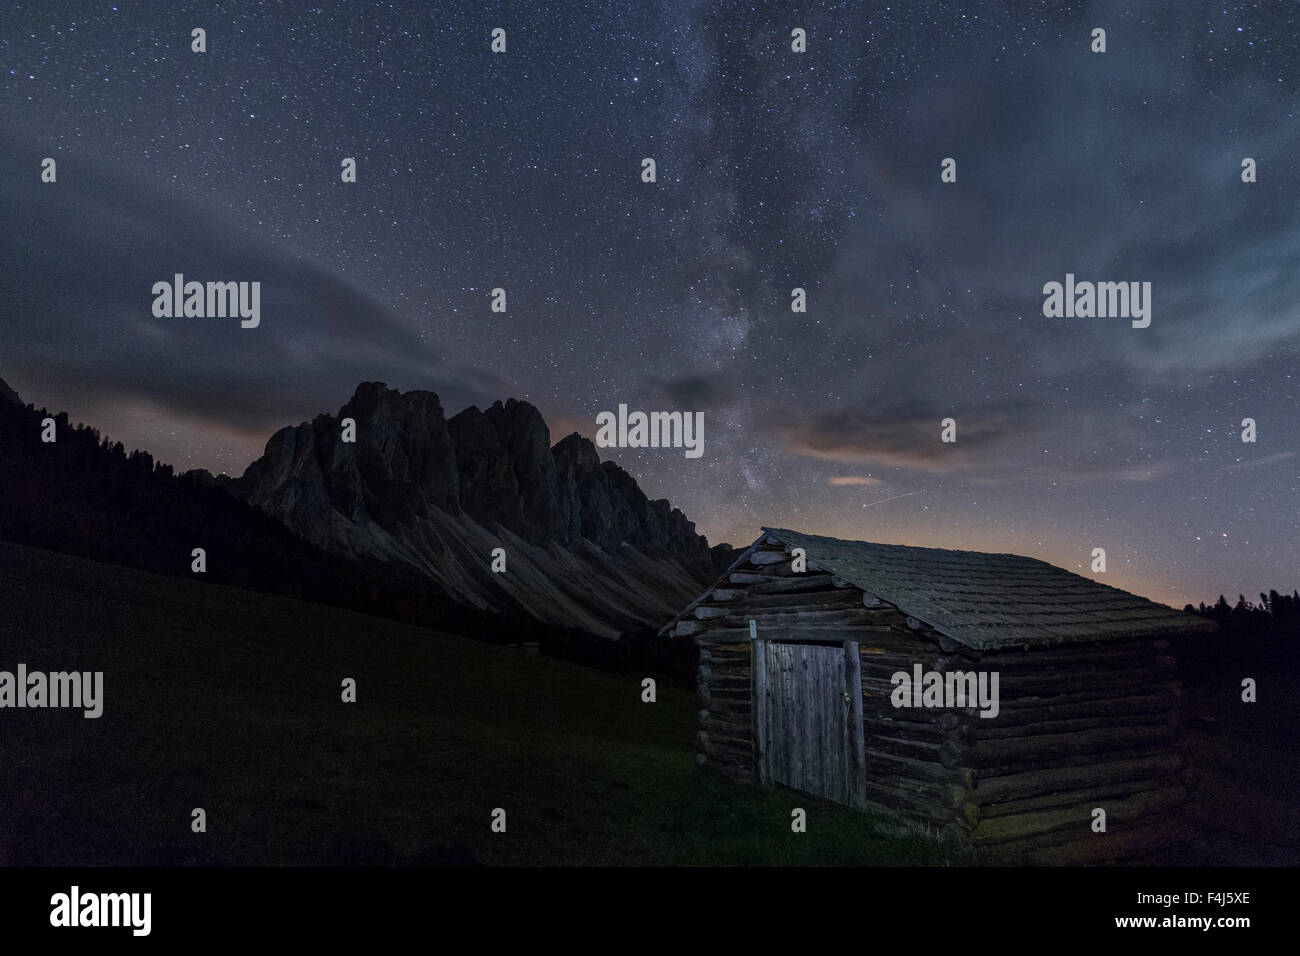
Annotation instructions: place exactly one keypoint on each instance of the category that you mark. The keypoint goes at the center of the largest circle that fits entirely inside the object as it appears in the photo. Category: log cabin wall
(785, 605)
(1080, 725)
(726, 742)
(918, 766)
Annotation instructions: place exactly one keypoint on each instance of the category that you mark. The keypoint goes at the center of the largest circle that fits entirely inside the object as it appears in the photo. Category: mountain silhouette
(584, 546)
(403, 521)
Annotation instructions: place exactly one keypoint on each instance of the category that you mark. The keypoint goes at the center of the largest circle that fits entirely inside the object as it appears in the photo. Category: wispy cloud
(905, 438)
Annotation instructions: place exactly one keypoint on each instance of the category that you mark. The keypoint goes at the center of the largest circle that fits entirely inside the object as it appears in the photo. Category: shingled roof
(992, 600)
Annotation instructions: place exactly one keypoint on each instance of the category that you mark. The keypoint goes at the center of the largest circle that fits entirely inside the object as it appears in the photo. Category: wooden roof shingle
(987, 601)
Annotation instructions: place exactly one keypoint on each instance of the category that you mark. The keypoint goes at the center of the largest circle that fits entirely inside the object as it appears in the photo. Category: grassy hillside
(230, 700)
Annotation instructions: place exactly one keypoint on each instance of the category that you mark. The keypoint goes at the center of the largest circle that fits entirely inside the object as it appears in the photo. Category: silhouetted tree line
(1266, 633)
(85, 495)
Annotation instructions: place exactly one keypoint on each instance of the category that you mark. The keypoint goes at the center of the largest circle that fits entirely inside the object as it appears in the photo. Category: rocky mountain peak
(412, 476)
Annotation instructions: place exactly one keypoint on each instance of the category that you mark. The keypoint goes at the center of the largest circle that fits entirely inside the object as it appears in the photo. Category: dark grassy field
(1245, 803)
(230, 701)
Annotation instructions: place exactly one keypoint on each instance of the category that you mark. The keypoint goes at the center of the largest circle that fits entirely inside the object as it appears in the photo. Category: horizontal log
(1158, 665)
(910, 738)
(1064, 761)
(901, 641)
(793, 605)
(729, 694)
(1069, 707)
(895, 765)
(884, 669)
(1039, 666)
(1065, 797)
(1091, 695)
(1058, 656)
(888, 724)
(730, 699)
(993, 729)
(729, 678)
(764, 558)
(707, 612)
(1032, 748)
(726, 687)
(831, 598)
(720, 645)
(930, 732)
(746, 577)
(1076, 817)
(802, 633)
(758, 613)
(950, 795)
(832, 616)
(792, 585)
(736, 730)
(725, 665)
(1121, 684)
(879, 708)
(1148, 836)
(878, 704)
(947, 753)
(722, 698)
(737, 722)
(1033, 783)
(730, 665)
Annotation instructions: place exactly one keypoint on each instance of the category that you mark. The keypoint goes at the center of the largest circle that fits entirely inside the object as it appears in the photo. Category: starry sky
(775, 169)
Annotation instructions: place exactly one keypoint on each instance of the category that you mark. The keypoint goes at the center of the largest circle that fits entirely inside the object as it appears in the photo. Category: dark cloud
(1050, 181)
(903, 437)
(86, 252)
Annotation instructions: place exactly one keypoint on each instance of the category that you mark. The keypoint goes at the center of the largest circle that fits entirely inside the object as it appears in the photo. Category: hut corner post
(758, 694)
(855, 747)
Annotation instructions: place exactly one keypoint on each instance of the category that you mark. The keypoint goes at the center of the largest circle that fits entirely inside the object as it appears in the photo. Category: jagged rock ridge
(8, 394)
(585, 547)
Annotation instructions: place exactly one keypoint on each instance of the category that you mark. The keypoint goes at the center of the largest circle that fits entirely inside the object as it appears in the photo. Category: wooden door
(808, 718)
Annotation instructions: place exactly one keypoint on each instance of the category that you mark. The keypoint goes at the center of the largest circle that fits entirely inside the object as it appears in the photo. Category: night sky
(775, 170)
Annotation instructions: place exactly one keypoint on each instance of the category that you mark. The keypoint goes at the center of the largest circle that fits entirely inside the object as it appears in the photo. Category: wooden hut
(801, 646)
